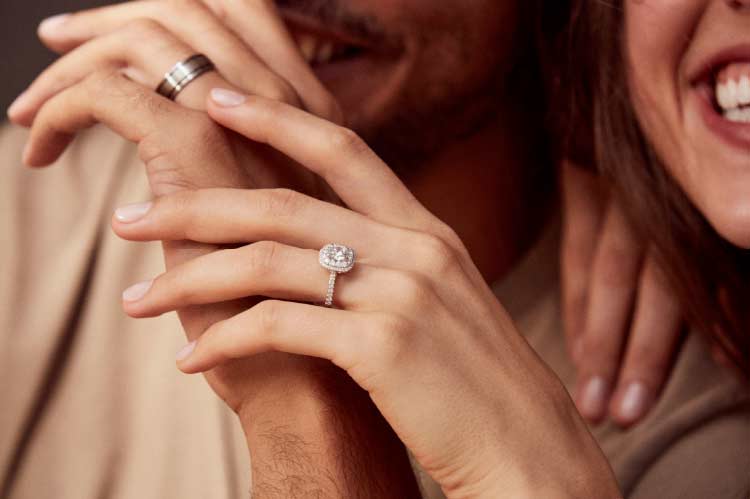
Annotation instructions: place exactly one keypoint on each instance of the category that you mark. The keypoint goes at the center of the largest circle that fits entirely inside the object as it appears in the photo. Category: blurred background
(22, 56)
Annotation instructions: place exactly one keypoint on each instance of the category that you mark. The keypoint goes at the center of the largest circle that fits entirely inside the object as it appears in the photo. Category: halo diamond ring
(338, 259)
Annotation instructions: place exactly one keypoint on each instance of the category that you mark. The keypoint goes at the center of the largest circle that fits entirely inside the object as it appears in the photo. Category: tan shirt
(93, 407)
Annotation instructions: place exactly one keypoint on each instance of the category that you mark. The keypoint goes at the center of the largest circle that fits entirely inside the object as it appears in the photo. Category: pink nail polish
(17, 105)
(132, 212)
(49, 26)
(227, 98)
(594, 398)
(137, 291)
(186, 351)
(633, 402)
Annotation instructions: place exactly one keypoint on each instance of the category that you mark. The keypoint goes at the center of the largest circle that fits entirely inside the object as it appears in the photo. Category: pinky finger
(274, 325)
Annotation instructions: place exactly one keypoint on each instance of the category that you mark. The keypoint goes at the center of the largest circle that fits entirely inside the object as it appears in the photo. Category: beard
(438, 105)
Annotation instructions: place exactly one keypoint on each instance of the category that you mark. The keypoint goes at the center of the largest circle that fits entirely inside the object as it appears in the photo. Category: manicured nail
(51, 24)
(17, 105)
(185, 352)
(594, 398)
(633, 402)
(226, 98)
(132, 212)
(137, 291)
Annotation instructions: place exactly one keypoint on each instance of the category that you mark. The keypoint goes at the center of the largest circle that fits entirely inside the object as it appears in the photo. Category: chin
(732, 220)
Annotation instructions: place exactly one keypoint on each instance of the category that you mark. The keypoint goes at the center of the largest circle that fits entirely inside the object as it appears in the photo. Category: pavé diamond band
(338, 259)
(182, 74)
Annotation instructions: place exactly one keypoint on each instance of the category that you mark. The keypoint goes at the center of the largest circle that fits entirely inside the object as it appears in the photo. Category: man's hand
(299, 416)
(622, 322)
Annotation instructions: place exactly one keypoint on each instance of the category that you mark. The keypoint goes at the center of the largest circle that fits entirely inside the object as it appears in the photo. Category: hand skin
(299, 415)
(417, 318)
(488, 224)
(623, 323)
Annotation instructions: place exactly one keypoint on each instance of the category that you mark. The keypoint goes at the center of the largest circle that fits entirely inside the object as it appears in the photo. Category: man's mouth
(322, 44)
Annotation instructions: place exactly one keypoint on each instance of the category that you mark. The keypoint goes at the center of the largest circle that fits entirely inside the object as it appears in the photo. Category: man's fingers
(337, 154)
(130, 50)
(287, 77)
(651, 350)
(583, 201)
(613, 285)
(107, 97)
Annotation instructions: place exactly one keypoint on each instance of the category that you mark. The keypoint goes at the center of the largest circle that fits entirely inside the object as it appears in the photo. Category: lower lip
(733, 133)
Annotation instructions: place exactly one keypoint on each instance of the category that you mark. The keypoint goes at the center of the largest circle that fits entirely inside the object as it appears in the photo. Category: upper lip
(707, 70)
(315, 27)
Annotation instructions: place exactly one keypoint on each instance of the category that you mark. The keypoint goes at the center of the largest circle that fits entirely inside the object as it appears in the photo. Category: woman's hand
(417, 326)
(623, 323)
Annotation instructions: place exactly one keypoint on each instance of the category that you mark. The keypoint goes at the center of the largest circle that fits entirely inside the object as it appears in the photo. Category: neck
(487, 189)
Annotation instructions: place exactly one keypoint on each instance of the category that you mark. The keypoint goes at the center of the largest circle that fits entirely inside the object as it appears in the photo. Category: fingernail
(226, 98)
(594, 398)
(51, 24)
(17, 105)
(633, 402)
(185, 352)
(137, 291)
(132, 212)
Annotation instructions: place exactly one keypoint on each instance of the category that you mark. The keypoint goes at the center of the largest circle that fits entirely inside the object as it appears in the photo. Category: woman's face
(689, 76)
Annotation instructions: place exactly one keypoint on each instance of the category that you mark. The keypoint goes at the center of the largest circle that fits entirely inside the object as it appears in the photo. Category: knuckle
(281, 203)
(144, 29)
(616, 267)
(414, 290)
(345, 139)
(281, 91)
(438, 255)
(267, 316)
(263, 257)
(390, 339)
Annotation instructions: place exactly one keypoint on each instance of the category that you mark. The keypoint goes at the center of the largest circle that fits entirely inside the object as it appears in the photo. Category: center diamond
(337, 258)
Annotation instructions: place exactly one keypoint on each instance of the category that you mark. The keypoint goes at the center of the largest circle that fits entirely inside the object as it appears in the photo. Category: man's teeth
(317, 51)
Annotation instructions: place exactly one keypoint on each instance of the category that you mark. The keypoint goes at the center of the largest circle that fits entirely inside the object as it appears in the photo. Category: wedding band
(338, 259)
(182, 74)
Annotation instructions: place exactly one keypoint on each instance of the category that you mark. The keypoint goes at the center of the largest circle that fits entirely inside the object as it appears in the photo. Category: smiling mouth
(732, 92)
(321, 44)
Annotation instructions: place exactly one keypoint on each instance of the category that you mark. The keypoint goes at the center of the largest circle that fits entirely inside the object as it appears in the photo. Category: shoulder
(696, 441)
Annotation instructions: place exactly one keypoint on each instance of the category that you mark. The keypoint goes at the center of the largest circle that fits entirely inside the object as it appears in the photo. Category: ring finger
(266, 268)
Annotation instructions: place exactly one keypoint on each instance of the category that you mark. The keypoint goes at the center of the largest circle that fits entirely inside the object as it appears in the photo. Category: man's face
(409, 74)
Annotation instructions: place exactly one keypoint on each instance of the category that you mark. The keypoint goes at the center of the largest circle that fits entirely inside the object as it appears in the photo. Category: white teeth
(307, 45)
(738, 115)
(743, 90)
(733, 94)
(325, 53)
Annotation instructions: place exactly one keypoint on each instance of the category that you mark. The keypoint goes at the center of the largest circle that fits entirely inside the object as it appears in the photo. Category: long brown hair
(710, 275)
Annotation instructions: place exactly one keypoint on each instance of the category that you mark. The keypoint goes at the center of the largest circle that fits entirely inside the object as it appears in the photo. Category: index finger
(359, 177)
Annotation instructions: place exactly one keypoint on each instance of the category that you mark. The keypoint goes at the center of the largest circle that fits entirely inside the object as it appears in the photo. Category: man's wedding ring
(182, 74)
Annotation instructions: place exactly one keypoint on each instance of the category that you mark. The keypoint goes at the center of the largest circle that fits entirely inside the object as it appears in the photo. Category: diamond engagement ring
(338, 259)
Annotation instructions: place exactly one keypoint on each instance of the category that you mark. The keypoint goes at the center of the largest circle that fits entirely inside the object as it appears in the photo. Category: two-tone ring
(337, 259)
(182, 74)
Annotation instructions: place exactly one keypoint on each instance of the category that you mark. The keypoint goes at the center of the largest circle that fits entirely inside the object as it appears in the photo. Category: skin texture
(674, 41)
(108, 77)
(296, 438)
(381, 336)
(622, 322)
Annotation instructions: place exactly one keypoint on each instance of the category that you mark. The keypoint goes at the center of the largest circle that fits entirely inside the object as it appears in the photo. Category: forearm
(319, 435)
